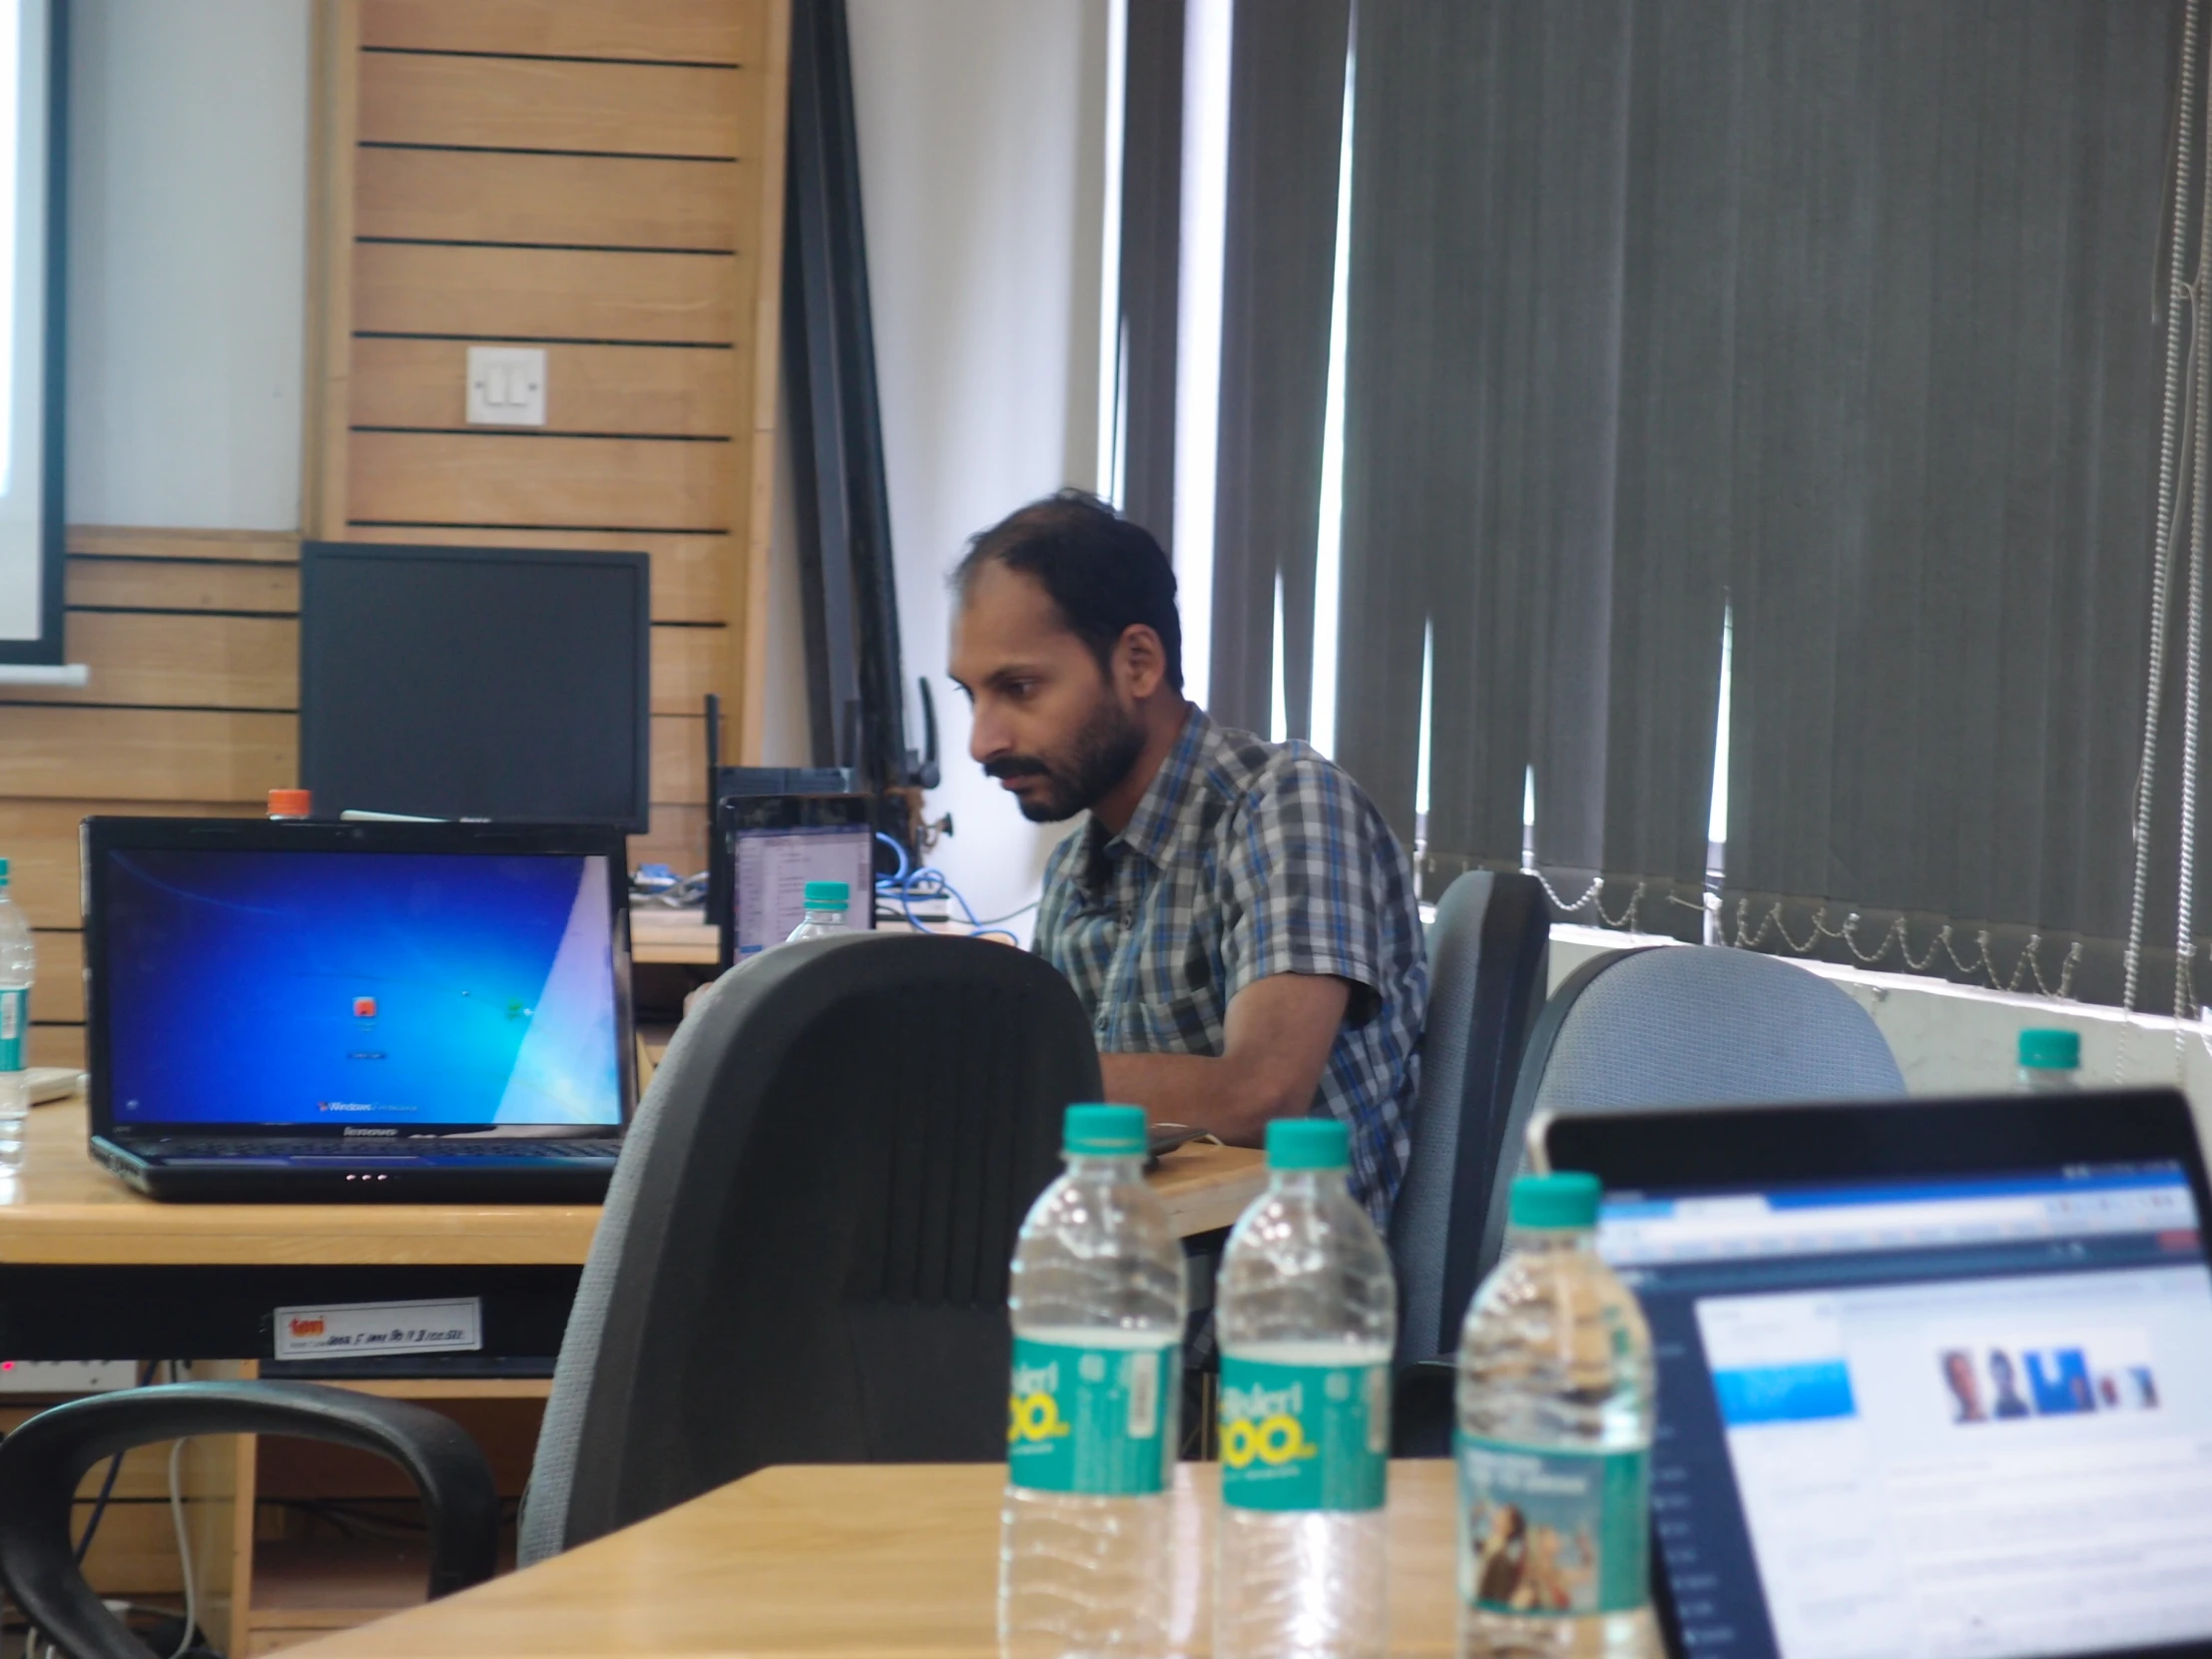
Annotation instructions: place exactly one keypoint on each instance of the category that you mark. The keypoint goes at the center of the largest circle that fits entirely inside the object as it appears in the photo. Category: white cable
(2169, 446)
(184, 1549)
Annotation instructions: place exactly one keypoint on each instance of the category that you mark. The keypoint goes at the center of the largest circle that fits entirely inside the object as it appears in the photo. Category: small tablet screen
(1935, 1417)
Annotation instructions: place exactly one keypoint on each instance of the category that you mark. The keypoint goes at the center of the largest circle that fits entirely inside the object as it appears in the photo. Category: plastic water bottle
(1306, 1313)
(1554, 1443)
(18, 966)
(826, 906)
(1085, 1557)
(2050, 1062)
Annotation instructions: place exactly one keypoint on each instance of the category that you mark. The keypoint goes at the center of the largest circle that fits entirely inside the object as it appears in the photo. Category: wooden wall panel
(637, 391)
(140, 755)
(40, 838)
(534, 294)
(235, 546)
(171, 659)
(684, 663)
(60, 1047)
(141, 584)
(58, 990)
(588, 483)
(687, 569)
(676, 838)
(679, 761)
(660, 31)
(546, 200)
(548, 103)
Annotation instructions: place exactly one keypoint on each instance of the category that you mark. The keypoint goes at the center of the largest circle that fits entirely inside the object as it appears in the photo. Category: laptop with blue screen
(1935, 1376)
(367, 1011)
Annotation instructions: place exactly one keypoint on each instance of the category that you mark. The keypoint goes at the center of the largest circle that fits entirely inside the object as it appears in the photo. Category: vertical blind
(1844, 318)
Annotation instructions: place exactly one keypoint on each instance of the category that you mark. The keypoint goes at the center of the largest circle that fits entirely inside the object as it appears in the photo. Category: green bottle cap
(1309, 1143)
(2048, 1050)
(1105, 1132)
(1568, 1199)
(826, 896)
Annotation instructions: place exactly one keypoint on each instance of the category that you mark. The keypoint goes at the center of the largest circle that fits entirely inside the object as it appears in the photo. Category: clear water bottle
(2050, 1062)
(18, 966)
(1306, 1315)
(1085, 1557)
(825, 906)
(1554, 1443)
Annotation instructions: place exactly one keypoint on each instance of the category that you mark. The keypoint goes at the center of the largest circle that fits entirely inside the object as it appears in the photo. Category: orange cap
(290, 802)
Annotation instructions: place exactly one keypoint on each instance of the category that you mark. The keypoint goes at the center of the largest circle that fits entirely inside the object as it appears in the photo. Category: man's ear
(1140, 662)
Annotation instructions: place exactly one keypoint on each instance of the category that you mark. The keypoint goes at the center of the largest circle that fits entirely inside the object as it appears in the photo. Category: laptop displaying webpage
(1936, 1419)
(344, 988)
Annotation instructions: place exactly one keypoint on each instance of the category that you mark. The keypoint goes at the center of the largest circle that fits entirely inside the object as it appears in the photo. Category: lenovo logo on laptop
(350, 1132)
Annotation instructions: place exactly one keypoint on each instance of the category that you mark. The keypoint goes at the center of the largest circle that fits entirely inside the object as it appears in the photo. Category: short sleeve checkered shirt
(1245, 860)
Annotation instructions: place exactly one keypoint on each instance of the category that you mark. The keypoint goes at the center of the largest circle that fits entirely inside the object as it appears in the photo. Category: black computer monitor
(475, 682)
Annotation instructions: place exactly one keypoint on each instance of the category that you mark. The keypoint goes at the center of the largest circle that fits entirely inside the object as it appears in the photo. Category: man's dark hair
(1103, 572)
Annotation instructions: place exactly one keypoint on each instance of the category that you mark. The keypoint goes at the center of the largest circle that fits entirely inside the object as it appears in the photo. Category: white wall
(187, 178)
(981, 127)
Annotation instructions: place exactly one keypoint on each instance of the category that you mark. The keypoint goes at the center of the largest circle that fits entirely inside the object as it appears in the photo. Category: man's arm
(1275, 1041)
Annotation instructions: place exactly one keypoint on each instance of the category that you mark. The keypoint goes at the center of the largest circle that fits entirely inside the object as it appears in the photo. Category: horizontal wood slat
(536, 104)
(58, 988)
(142, 584)
(40, 840)
(177, 662)
(58, 752)
(639, 483)
(634, 390)
(686, 31)
(545, 293)
(679, 760)
(685, 663)
(57, 1045)
(570, 201)
(688, 571)
(134, 542)
(676, 838)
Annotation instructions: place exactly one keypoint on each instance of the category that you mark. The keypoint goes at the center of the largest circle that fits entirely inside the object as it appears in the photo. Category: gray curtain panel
(1841, 313)
(1286, 99)
(1151, 246)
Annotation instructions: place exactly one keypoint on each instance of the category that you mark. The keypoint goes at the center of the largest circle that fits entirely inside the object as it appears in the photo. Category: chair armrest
(42, 1461)
(1425, 1408)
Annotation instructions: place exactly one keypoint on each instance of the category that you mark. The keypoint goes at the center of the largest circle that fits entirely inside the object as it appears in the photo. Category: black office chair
(42, 1461)
(803, 1258)
(1488, 954)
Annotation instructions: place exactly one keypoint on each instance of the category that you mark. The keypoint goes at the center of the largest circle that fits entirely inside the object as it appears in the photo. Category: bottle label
(1099, 1421)
(1304, 1437)
(15, 1016)
(1546, 1531)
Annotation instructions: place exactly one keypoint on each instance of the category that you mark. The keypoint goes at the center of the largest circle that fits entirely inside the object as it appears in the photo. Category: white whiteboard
(30, 511)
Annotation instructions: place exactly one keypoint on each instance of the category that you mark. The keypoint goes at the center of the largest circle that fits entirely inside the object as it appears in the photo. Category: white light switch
(506, 385)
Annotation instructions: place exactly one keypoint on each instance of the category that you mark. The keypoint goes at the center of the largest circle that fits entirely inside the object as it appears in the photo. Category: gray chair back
(803, 1254)
(1694, 1025)
(1488, 952)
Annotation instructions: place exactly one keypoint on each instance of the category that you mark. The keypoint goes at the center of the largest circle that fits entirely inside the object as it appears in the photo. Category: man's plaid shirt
(1244, 860)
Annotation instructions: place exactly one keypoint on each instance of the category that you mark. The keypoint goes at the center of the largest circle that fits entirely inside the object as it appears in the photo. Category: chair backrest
(1694, 1025)
(804, 1255)
(1487, 956)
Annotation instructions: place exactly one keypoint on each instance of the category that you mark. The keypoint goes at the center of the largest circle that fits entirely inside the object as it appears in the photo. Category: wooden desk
(886, 1561)
(63, 1209)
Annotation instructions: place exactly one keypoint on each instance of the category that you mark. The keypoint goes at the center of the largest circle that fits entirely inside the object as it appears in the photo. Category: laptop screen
(1960, 1416)
(360, 988)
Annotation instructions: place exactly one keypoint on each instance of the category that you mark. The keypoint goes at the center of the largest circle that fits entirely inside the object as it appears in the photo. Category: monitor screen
(1960, 1416)
(475, 682)
(349, 988)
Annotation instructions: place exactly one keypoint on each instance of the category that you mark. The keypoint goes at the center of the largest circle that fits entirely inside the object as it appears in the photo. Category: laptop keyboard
(354, 1152)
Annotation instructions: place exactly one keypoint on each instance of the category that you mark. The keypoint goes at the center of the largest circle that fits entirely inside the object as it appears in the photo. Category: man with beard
(1237, 918)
